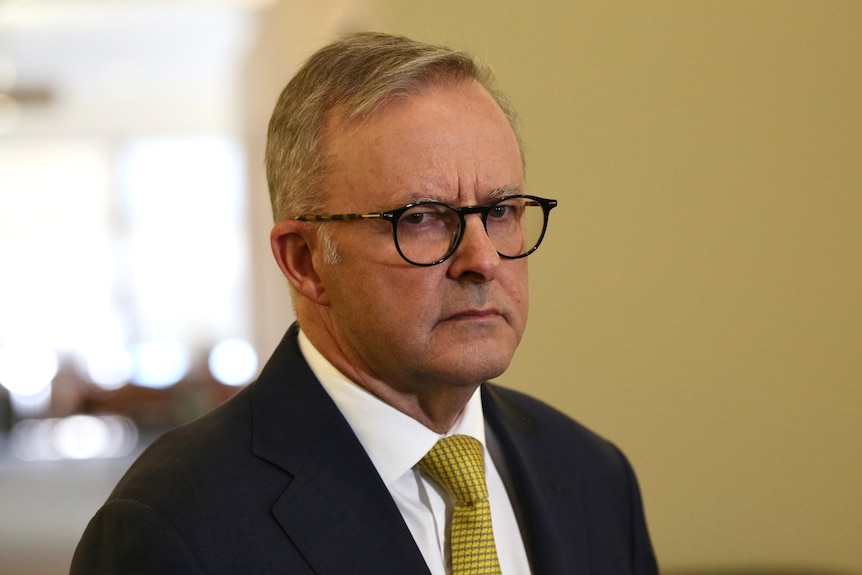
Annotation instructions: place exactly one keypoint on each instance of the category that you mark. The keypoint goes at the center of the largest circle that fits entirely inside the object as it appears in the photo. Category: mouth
(475, 315)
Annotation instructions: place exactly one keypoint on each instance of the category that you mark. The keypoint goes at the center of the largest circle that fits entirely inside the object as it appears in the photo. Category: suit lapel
(549, 509)
(335, 508)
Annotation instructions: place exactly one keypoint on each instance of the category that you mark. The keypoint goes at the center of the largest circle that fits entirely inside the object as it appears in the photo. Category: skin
(420, 338)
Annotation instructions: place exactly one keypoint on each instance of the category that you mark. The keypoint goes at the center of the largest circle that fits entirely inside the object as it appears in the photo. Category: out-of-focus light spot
(75, 437)
(160, 364)
(26, 369)
(31, 440)
(32, 405)
(233, 362)
(109, 367)
(123, 434)
(80, 437)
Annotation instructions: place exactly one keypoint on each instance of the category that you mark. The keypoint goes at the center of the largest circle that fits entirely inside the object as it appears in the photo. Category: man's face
(455, 323)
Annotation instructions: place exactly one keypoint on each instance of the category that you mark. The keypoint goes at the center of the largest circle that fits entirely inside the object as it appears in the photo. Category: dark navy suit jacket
(275, 482)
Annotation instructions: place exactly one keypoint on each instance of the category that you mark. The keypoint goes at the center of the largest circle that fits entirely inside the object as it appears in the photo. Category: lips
(474, 314)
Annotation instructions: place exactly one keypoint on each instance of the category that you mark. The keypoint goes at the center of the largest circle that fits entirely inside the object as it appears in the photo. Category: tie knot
(457, 463)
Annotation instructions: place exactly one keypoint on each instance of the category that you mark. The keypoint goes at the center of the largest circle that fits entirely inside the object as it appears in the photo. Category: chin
(474, 354)
(479, 367)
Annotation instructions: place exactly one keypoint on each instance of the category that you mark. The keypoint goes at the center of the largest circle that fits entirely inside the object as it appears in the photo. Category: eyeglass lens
(426, 233)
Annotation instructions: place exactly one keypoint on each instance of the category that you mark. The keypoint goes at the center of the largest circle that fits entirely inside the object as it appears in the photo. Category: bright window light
(56, 245)
(184, 201)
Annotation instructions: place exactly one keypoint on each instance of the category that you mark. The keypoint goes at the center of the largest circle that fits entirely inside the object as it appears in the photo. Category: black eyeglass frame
(393, 217)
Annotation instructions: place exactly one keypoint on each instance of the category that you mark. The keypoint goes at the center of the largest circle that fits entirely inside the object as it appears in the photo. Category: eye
(506, 210)
(426, 215)
(416, 218)
(500, 211)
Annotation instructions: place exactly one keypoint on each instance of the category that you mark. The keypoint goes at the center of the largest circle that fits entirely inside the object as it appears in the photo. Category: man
(402, 225)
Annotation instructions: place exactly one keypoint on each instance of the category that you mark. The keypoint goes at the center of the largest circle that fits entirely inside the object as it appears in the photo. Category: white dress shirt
(396, 442)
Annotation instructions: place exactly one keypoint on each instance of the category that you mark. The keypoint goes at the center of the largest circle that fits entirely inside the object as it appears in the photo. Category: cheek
(385, 298)
(518, 292)
(517, 283)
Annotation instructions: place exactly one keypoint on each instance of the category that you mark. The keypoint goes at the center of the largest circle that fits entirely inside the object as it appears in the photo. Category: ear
(294, 245)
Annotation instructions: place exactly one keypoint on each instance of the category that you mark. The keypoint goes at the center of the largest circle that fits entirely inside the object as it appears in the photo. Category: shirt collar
(394, 441)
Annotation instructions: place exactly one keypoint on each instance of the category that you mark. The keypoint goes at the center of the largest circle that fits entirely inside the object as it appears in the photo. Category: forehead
(451, 142)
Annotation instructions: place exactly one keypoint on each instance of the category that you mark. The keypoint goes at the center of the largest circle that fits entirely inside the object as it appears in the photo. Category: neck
(437, 409)
(436, 404)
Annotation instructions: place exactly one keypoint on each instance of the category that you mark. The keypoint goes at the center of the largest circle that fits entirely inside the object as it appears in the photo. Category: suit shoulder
(533, 414)
(196, 458)
(548, 429)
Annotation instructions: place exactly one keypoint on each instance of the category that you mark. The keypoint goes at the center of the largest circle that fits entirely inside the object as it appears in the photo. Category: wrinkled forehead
(447, 142)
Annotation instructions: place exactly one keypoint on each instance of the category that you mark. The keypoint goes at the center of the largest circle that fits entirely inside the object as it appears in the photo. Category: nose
(476, 259)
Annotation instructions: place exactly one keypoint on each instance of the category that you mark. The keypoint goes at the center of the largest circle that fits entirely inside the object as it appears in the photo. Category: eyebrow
(504, 191)
(494, 194)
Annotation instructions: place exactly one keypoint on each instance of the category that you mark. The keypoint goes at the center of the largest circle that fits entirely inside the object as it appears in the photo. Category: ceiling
(114, 66)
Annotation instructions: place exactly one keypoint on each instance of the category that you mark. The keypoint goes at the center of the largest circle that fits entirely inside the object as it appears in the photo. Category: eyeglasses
(428, 233)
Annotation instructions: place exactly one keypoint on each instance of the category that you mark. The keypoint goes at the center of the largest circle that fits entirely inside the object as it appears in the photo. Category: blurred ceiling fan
(36, 96)
(14, 97)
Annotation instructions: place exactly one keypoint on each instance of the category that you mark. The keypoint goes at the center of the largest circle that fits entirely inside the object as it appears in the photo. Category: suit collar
(335, 508)
(553, 545)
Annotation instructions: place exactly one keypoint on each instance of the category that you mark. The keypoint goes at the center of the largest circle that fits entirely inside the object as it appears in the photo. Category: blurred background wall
(696, 300)
(699, 297)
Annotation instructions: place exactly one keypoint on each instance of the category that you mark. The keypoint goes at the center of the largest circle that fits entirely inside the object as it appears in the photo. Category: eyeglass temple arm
(336, 217)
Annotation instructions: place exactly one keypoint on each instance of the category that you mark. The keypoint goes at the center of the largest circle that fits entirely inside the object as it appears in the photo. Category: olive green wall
(699, 297)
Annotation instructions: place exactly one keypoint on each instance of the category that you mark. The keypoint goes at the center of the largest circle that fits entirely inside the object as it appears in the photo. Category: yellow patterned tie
(457, 463)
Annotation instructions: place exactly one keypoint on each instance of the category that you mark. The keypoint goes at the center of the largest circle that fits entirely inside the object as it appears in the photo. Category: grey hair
(351, 78)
